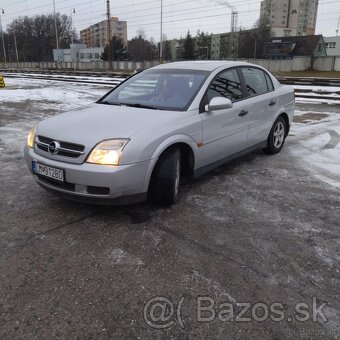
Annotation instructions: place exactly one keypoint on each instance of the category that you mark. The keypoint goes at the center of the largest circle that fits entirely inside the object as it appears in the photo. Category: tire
(277, 136)
(167, 178)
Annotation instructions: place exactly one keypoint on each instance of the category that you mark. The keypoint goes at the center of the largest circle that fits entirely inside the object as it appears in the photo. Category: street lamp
(55, 26)
(73, 11)
(161, 40)
(255, 46)
(2, 35)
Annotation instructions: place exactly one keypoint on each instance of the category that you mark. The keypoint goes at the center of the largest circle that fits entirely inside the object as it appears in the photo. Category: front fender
(180, 138)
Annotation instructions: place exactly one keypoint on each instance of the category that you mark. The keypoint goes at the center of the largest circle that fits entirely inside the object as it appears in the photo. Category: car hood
(97, 122)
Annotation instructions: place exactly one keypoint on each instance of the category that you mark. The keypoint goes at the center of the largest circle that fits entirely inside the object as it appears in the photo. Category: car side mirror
(218, 103)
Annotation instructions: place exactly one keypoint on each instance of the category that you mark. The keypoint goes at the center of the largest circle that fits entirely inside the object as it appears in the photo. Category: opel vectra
(162, 125)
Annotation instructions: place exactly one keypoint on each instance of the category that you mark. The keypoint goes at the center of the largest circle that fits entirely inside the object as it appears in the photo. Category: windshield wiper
(142, 106)
(109, 103)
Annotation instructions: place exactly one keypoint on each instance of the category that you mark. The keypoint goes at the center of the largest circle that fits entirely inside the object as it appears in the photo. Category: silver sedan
(164, 124)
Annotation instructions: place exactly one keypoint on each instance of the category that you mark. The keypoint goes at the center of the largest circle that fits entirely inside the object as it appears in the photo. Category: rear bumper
(96, 184)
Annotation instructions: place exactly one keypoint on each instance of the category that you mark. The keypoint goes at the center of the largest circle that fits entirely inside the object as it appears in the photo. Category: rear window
(269, 82)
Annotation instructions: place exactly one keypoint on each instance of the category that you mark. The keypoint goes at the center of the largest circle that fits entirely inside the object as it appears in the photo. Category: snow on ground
(317, 101)
(330, 94)
(63, 96)
(318, 138)
(314, 88)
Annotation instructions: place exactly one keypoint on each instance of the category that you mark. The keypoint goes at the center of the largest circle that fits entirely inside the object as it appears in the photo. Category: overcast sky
(179, 16)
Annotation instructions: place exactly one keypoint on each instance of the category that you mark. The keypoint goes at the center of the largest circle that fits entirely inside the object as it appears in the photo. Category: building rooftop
(295, 46)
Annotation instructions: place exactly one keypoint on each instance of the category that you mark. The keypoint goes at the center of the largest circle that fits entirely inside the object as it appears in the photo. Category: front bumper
(93, 183)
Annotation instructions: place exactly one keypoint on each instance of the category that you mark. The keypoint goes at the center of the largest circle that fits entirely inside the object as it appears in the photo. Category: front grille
(66, 149)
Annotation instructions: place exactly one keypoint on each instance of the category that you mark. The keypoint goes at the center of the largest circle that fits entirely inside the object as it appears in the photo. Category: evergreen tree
(189, 47)
(202, 45)
(118, 50)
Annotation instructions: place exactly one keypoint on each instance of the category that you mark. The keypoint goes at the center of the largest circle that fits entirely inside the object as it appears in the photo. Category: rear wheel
(167, 178)
(277, 136)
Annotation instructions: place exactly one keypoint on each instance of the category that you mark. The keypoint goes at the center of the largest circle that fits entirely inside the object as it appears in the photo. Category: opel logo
(53, 148)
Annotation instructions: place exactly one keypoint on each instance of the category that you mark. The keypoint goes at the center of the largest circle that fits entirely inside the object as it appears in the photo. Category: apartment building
(332, 46)
(96, 35)
(289, 17)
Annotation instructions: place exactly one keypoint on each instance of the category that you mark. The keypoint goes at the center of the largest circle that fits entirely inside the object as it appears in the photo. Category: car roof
(203, 65)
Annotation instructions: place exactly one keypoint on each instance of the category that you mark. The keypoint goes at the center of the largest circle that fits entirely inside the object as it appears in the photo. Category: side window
(255, 80)
(226, 84)
(269, 82)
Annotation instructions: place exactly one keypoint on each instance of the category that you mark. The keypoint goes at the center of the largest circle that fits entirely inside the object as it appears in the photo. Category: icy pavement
(261, 229)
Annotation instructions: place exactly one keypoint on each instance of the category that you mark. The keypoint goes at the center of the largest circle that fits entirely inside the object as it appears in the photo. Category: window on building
(331, 44)
(82, 56)
(96, 56)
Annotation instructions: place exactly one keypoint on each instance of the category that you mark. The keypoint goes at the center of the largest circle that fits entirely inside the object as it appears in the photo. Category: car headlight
(107, 152)
(31, 137)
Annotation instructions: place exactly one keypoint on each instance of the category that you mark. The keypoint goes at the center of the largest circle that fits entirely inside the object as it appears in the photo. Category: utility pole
(2, 36)
(109, 38)
(16, 47)
(337, 30)
(55, 26)
(161, 38)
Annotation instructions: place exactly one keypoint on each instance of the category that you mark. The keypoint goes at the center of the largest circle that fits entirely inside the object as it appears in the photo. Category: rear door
(262, 102)
(224, 131)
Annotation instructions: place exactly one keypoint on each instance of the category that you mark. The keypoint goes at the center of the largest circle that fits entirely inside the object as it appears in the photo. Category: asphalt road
(261, 229)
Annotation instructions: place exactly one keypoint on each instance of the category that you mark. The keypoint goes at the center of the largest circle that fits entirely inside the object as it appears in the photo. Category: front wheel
(277, 136)
(167, 178)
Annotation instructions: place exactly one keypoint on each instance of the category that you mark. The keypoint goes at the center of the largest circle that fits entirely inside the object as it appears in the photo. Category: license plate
(48, 171)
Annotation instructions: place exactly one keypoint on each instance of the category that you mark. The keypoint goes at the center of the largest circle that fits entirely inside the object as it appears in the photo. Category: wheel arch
(189, 153)
(284, 115)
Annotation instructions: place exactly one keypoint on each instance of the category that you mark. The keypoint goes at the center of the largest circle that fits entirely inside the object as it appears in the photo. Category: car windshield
(159, 89)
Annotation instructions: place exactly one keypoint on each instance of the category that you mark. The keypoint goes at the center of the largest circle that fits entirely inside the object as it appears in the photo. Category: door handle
(243, 113)
(272, 103)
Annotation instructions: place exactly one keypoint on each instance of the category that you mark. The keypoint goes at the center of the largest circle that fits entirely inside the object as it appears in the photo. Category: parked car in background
(165, 123)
